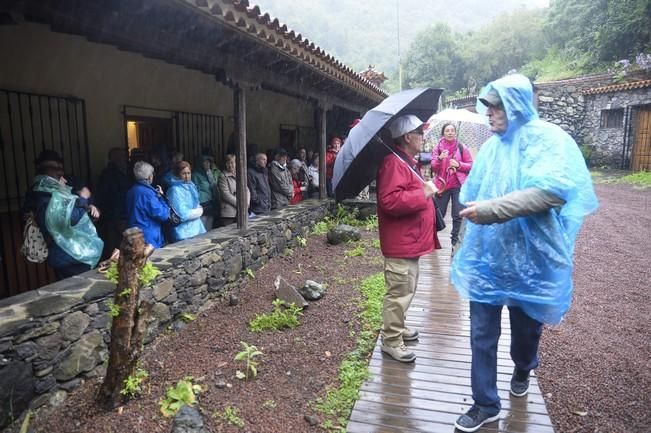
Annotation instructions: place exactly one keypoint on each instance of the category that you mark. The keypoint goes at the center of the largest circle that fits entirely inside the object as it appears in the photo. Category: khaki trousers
(401, 278)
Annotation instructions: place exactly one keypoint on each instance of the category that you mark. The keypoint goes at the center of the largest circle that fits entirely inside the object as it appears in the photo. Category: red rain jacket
(406, 218)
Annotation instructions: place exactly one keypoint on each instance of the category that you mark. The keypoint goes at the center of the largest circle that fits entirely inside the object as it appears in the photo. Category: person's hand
(84, 193)
(429, 189)
(470, 212)
(454, 163)
(443, 155)
(93, 211)
(159, 189)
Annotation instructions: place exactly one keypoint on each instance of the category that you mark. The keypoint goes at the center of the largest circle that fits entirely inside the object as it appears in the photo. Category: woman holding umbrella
(451, 163)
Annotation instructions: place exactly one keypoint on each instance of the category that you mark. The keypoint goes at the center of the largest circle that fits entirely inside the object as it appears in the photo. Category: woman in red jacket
(451, 162)
(406, 223)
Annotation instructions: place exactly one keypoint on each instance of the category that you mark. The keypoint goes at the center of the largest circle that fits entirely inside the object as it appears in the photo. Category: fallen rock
(288, 293)
(188, 420)
(343, 233)
(312, 291)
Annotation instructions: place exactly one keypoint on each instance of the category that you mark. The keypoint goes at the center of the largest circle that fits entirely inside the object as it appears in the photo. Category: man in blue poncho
(526, 198)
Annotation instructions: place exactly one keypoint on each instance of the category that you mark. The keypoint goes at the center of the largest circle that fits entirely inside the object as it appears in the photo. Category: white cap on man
(404, 124)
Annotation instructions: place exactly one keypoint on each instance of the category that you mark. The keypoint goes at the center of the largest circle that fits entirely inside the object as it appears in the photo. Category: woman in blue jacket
(146, 205)
(184, 199)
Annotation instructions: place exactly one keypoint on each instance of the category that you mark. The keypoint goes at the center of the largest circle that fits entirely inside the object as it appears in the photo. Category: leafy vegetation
(300, 240)
(269, 404)
(358, 251)
(114, 309)
(132, 384)
(338, 403)
(188, 317)
(283, 316)
(642, 178)
(147, 274)
(231, 415)
(112, 273)
(248, 355)
(249, 273)
(184, 393)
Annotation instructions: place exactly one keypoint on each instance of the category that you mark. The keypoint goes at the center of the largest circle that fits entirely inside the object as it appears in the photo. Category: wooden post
(322, 152)
(239, 103)
(127, 330)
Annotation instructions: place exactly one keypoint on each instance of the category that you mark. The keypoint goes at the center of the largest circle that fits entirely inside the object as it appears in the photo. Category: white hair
(295, 163)
(142, 170)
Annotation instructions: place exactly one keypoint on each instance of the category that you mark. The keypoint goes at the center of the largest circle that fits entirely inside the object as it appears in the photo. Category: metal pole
(399, 58)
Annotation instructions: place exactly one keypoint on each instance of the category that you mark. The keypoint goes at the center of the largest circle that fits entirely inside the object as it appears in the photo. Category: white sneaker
(399, 353)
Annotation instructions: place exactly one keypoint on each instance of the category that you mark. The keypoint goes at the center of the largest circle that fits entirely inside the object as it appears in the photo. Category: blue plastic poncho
(184, 198)
(527, 261)
(79, 241)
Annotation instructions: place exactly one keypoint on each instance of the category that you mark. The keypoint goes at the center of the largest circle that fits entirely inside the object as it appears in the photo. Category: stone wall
(607, 144)
(53, 338)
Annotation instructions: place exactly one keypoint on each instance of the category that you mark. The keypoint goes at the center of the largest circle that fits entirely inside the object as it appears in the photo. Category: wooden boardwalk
(427, 396)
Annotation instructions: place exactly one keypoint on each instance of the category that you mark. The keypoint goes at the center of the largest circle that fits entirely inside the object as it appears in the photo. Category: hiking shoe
(519, 383)
(473, 419)
(410, 334)
(399, 353)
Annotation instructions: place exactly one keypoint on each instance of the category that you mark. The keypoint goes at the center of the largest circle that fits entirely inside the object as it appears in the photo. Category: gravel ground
(297, 366)
(595, 366)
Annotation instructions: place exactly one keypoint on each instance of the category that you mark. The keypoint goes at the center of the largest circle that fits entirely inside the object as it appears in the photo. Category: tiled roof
(246, 18)
(618, 87)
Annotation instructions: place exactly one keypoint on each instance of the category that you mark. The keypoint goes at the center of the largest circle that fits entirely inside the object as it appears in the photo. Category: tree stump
(128, 328)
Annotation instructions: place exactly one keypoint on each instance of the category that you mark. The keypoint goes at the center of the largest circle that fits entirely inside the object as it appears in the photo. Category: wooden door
(642, 144)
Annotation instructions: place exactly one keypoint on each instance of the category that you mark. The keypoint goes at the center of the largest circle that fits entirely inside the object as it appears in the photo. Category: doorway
(641, 160)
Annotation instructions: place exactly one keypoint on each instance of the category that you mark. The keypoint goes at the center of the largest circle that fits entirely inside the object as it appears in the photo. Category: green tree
(433, 60)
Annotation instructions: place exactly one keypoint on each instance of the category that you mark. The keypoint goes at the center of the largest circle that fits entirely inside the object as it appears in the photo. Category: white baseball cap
(404, 124)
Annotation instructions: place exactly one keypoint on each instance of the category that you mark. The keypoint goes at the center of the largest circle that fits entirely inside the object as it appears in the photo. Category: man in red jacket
(406, 222)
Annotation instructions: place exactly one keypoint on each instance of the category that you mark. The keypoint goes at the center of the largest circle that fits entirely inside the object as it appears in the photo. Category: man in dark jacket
(258, 182)
(406, 223)
(112, 190)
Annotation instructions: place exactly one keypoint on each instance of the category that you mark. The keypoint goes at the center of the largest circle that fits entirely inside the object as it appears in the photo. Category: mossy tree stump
(128, 328)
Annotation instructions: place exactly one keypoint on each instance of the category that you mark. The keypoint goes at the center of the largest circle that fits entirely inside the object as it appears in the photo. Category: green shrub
(283, 316)
(132, 384)
(184, 393)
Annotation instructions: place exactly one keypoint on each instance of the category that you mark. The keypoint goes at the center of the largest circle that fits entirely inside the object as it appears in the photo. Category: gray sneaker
(410, 334)
(519, 383)
(472, 420)
(399, 353)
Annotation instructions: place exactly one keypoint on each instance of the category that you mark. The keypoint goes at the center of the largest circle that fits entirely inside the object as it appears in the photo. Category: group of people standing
(169, 203)
(523, 202)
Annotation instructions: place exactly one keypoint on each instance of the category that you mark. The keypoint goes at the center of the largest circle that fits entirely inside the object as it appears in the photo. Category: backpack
(34, 246)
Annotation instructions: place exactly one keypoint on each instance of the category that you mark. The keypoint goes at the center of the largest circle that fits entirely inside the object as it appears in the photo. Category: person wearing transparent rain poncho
(526, 198)
(63, 218)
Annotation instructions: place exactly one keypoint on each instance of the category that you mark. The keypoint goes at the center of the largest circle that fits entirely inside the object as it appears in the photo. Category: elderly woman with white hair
(147, 209)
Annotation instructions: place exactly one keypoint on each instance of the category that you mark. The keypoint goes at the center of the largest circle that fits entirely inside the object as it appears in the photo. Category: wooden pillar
(322, 152)
(239, 104)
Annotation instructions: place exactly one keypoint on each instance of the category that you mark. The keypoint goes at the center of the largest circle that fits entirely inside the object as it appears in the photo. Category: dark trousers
(329, 189)
(485, 330)
(70, 270)
(442, 203)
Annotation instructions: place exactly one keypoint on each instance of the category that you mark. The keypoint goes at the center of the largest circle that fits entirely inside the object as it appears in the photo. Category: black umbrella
(368, 143)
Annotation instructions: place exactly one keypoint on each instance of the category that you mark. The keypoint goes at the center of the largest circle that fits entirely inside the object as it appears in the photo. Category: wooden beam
(239, 104)
(322, 152)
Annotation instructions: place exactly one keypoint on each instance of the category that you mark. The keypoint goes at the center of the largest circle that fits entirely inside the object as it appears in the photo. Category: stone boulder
(343, 233)
(312, 291)
(17, 387)
(288, 293)
(188, 420)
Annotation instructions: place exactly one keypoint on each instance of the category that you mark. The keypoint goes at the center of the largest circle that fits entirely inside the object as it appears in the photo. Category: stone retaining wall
(53, 338)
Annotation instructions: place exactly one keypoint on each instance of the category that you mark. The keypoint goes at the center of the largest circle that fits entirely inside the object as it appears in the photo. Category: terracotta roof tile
(618, 87)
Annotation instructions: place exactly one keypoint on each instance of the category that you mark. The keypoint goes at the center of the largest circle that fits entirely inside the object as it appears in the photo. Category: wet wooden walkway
(429, 395)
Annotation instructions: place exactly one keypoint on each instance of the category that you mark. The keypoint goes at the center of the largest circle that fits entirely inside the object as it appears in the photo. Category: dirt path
(596, 365)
